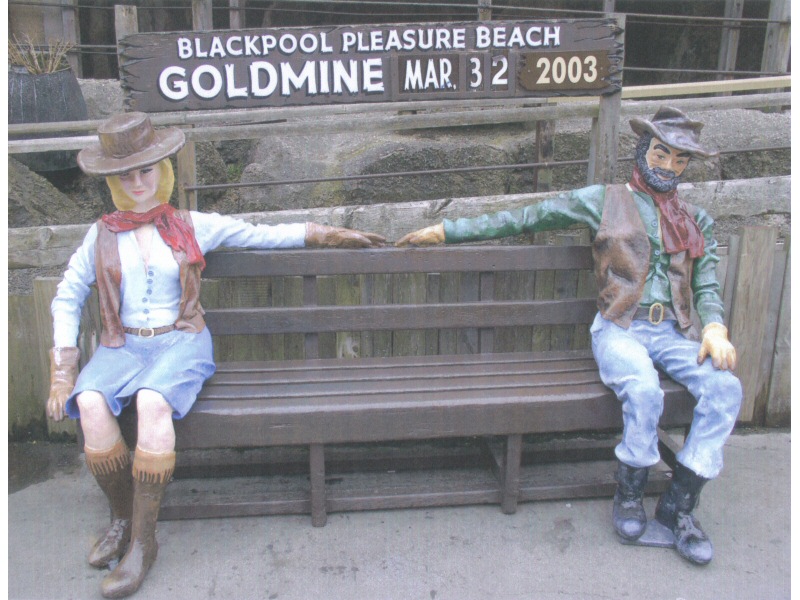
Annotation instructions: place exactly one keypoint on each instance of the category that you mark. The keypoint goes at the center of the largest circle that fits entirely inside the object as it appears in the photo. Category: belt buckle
(147, 332)
(656, 307)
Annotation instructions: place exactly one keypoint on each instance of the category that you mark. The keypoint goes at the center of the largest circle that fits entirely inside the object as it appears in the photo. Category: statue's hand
(715, 344)
(427, 236)
(318, 236)
(63, 373)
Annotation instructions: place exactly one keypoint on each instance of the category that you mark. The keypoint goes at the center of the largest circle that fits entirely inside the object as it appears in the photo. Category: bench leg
(510, 475)
(319, 515)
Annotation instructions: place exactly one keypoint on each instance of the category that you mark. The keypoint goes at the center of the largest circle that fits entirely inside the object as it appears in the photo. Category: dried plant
(39, 60)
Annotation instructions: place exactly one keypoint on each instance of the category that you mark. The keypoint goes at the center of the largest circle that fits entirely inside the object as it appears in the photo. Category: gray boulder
(33, 200)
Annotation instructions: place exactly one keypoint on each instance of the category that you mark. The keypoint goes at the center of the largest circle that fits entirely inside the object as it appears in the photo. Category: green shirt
(585, 206)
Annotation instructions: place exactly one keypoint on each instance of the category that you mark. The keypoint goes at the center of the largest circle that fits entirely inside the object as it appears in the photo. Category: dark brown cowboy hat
(673, 127)
(128, 141)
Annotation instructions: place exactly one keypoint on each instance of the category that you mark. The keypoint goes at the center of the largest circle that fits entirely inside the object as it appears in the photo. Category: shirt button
(149, 292)
(654, 224)
(657, 252)
(144, 299)
(145, 311)
(149, 281)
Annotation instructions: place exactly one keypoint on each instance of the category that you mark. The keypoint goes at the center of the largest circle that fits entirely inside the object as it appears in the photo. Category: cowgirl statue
(145, 259)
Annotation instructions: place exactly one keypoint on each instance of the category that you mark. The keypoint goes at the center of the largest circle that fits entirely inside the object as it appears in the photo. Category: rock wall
(75, 198)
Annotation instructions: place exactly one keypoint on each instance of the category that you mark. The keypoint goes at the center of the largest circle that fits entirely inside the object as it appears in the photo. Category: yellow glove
(318, 236)
(715, 343)
(428, 236)
(63, 373)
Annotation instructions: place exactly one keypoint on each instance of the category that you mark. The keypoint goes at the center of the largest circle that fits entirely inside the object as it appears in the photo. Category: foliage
(37, 61)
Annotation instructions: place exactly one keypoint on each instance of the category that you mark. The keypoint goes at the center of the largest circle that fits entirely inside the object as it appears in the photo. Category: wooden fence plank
(44, 290)
(770, 332)
(748, 317)
(409, 289)
(779, 404)
(26, 373)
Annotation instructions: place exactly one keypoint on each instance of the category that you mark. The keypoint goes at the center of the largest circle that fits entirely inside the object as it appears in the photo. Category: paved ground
(547, 551)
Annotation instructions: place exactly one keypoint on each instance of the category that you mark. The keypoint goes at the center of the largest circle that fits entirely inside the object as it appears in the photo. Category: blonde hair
(165, 184)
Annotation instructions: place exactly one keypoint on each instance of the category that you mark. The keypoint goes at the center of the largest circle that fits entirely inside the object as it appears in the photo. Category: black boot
(628, 514)
(674, 510)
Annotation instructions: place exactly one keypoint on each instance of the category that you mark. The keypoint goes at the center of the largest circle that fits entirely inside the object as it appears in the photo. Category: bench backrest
(472, 288)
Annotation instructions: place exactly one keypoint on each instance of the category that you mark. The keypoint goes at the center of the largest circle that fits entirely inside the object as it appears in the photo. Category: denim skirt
(175, 364)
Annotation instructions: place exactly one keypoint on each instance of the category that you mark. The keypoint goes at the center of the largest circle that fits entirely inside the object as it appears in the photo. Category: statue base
(655, 535)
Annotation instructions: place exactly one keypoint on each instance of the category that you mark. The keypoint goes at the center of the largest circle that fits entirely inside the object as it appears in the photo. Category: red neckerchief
(679, 231)
(172, 229)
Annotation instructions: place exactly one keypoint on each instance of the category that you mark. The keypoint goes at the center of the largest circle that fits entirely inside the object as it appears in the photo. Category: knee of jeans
(644, 396)
(726, 391)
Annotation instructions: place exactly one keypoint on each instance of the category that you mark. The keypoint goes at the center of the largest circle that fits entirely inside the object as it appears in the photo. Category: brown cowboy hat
(673, 127)
(128, 141)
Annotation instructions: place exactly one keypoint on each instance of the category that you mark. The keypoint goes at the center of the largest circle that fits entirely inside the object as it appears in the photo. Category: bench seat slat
(414, 416)
(372, 387)
(307, 319)
(346, 373)
(565, 357)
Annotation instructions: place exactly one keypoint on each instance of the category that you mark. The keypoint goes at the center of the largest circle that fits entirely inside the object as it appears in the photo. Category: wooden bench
(456, 387)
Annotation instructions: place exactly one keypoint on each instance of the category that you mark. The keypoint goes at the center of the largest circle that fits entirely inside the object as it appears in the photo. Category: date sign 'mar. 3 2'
(387, 63)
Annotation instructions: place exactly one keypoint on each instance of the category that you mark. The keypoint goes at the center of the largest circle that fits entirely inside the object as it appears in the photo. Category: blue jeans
(628, 358)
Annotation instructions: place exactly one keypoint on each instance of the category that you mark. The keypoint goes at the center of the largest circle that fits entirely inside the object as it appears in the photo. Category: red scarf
(172, 229)
(679, 231)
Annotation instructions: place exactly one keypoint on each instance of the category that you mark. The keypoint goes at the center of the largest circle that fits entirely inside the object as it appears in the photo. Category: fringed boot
(674, 510)
(628, 515)
(112, 470)
(151, 473)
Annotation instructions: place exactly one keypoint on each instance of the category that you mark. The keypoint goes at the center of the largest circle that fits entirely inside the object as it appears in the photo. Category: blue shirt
(150, 295)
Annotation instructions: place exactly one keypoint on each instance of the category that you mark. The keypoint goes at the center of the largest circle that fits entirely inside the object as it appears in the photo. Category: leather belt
(148, 332)
(655, 313)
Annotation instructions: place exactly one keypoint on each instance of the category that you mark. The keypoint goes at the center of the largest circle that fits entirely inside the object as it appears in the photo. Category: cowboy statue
(655, 259)
(146, 260)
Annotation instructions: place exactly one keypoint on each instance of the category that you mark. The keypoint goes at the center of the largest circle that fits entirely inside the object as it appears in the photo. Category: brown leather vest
(621, 253)
(108, 270)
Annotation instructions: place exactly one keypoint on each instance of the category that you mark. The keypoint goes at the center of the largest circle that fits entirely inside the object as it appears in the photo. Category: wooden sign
(386, 63)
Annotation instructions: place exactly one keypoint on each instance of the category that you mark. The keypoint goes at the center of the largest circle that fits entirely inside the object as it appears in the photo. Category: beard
(651, 176)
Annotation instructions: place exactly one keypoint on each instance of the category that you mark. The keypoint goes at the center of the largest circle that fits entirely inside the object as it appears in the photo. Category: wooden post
(545, 134)
(748, 315)
(319, 510)
(777, 42)
(202, 17)
(126, 22)
(605, 129)
(187, 175)
(484, 10)
(62, 24)
(729, 45)
(237, 14)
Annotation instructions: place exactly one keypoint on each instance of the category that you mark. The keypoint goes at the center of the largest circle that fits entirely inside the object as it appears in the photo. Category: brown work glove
(63, 373)
(715, 343)
(428, 236)
(318, 236)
